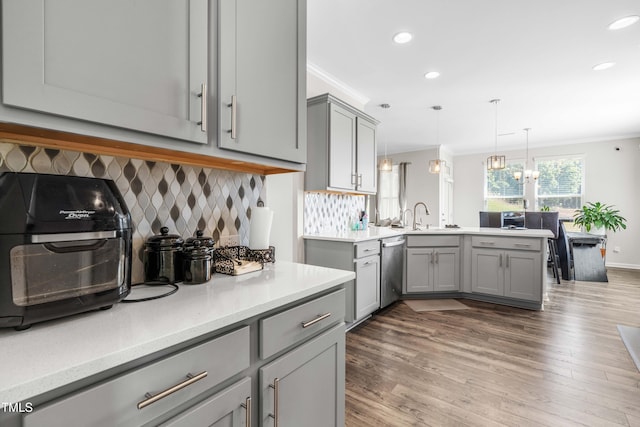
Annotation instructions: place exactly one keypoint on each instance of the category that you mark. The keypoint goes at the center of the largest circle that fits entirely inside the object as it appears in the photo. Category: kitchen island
(503, 266)
(65, 361)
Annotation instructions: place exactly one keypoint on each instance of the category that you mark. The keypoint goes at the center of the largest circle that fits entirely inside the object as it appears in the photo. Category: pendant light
(528, 173)
(386, 165)
(496, 162)
(435, 166)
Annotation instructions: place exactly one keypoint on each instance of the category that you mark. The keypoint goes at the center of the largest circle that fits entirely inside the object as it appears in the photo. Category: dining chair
(547, 221)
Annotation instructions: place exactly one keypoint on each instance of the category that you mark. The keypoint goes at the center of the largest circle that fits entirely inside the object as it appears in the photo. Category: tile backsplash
(183, 198)
(329, 212)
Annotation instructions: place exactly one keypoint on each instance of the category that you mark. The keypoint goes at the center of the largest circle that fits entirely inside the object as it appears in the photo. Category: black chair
(547, 221)
(490, 219)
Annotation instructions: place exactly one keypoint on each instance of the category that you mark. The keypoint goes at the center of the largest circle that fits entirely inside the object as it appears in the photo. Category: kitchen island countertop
(56, 353)
(373, 233)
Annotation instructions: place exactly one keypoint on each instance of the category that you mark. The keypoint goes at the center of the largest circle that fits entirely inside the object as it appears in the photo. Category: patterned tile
(327, 212)
(183, 198)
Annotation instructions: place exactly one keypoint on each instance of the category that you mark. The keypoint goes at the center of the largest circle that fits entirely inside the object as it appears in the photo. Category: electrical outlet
(233, 240)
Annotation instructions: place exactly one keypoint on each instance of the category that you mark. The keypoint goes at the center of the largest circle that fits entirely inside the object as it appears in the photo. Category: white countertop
(52, 354)
(381, 232)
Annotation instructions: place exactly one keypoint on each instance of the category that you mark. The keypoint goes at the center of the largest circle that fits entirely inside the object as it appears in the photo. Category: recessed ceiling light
(402, 37)
(432, 75)
(603, 66)
(624, 22)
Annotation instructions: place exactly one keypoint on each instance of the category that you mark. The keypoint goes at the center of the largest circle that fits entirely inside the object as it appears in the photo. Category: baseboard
(622, 266)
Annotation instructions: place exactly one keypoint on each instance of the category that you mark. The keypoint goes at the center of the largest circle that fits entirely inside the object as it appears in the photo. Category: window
(388, 194)
(502, 191)
(561, 184)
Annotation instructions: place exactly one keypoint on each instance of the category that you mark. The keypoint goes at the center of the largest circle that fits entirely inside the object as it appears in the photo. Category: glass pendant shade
(386, 165)
(436, 166)
(496, 162)
(517, 175)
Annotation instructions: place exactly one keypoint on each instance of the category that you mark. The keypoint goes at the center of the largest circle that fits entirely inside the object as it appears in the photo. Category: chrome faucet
(426, 209)
(404, 216)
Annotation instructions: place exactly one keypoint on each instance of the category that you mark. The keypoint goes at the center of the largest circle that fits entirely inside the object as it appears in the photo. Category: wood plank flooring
(494, 365)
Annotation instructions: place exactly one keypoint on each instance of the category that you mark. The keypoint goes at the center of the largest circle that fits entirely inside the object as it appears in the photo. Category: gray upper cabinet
(342, 147)
(262, 78)
(136, 65)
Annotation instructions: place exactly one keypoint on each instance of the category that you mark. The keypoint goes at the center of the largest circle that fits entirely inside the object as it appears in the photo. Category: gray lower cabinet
(146, 393)
(262, 78)
(507, 267)
(287, 364)
(342, 147)
(363, 293)
(367, 285)
(230, 407)
(305, 387)
(135, 65)
(433, 268)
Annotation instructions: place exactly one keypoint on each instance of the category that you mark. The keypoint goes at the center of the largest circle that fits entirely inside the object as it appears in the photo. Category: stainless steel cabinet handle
(275, 386)
(359, 184)
(390, 245)
(234, 112)
(203, 107)
(247, 407)
(437, 257)
(150, 398)
(316, 320)
(354, 179)
(500, 260)
(431, 257)
(507, 260)
(484, 242)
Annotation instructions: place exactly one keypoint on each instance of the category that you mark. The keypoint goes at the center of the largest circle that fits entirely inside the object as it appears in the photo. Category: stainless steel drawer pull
(316, 320)
(151, 398)
(275, 386)
(234, 112)
(485, 242)
(523, 245)
(203, 107)
(369, 250)
(247, 407)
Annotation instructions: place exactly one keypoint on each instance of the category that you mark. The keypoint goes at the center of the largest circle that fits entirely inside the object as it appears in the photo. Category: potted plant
(599, 216)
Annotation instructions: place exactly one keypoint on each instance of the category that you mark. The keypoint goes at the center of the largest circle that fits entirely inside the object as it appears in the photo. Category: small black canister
(163, 257)
(197, 265)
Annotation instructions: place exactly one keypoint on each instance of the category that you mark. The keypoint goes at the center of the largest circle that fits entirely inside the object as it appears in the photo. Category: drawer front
(429, 240)
(369, 247)
(521, 243)
(116, 402)
(285, 329)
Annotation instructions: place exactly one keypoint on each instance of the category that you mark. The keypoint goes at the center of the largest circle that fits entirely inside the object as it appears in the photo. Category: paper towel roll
(260, 227)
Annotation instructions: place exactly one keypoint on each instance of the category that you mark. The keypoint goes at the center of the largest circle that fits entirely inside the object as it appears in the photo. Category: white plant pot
(600, 231)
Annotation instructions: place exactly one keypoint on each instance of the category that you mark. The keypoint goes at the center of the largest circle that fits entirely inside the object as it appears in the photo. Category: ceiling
(535, 56)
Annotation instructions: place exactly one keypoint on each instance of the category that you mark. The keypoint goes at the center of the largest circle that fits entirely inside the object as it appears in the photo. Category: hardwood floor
(493, 365)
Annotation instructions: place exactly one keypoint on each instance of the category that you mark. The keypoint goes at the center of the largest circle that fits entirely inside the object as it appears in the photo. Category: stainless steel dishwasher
(391, 269)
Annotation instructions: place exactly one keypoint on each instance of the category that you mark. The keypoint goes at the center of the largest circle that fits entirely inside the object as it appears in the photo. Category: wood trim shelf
(27, 135)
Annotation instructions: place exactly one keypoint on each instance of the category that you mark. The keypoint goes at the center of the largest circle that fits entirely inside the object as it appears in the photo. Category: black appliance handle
(86, 245)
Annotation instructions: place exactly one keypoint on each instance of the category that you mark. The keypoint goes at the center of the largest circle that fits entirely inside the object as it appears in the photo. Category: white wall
(611, 177)
(284, 196)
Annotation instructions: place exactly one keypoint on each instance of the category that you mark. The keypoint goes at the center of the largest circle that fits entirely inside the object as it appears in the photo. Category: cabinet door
(419, 270)
(446, 272)
(229, 408)
(487, 275)
(342, 148)
(367, 285)
(262, 78)
(366, 156)
(136, 65)
(308, 383)
(523, 275)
